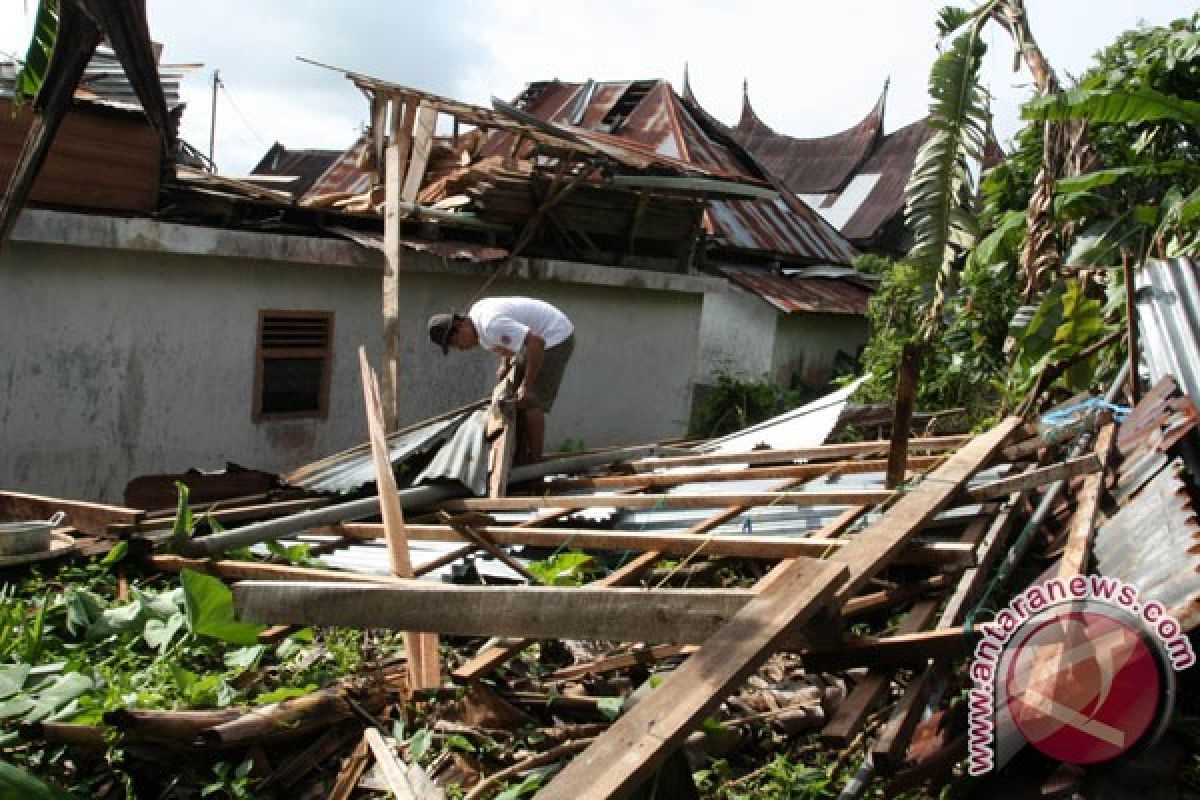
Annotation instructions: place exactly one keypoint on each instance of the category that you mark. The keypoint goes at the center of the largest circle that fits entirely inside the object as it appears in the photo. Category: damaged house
(618, 203)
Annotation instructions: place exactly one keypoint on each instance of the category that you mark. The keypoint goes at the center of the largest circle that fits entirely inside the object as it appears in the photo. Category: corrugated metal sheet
(1152, 543)
(104, 81)
(1168, 309)
(344, 174)
(351, 469)
(811, 166)
(795, 294)
(464, 458)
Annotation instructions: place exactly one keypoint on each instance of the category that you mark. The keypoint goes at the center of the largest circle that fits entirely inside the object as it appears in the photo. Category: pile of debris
(611, 616)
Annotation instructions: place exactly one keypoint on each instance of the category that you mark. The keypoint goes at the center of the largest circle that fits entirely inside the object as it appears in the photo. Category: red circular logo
(1083, 686)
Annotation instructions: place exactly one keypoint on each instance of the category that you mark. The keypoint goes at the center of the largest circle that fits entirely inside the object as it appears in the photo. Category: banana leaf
(1111, 105)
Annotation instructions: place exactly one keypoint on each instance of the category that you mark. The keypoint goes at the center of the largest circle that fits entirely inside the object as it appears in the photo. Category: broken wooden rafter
(672, 501)
(1031, 479)
(760, 473)
(665, 542)
(935, 444)
(91, 518)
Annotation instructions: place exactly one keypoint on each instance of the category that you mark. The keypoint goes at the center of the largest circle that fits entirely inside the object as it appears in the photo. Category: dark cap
(441, 328)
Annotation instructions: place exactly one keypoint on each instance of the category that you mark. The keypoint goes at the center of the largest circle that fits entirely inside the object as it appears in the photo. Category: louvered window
(293, 364)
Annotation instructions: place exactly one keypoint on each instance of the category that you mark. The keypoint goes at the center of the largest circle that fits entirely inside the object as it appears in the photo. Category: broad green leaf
(419, 744)
(562, 569)
(12, 678)
(184, 524)
(284, 693)
(119, 551)
(610, 706)
(1113, 105)
(1002, 243)
(244, 657)
(210, 610)
(37, 58)
(1106, 177)
(460, 742)
(16, 784)
(160, 634)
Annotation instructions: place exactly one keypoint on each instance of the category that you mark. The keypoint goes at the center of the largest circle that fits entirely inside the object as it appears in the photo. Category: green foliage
(1112, 105)
(16, 784)
(209, 604)
(33, 70)
(230, 781)
(940, 192)
(735, 403)
(568, 568)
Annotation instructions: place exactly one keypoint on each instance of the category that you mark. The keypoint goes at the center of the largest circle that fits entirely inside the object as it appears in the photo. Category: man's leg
(534, 424)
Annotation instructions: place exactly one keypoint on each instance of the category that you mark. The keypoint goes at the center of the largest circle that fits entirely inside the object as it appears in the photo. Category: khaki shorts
(549, 377)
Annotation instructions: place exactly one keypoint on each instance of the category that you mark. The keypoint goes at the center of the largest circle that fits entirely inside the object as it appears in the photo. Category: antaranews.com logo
(1080, 668)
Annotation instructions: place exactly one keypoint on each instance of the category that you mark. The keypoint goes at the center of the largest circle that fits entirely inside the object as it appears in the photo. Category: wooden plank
(502, 423)
(232, 570)
(394, 775)
(642, 739)
(643, 655)
(422, 143)
(872, 549)
(667, 616)
(1083, 524)
(751, 474)
(906, 395)
(396, 159)
(893, 651)
(830, 498)
(666, 543)
(892, 743)
(1032, 479)
(852, 712)
(420, 649)
(934, 444)
(91, 518)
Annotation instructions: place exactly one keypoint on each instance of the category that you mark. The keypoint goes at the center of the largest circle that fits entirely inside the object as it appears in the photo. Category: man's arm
(535, 348)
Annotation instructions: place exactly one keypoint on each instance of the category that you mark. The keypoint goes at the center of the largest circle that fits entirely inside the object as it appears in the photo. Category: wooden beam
(892, 651)
(91, 518)
(420, 649)
(642, 739)
(422, 143)
(232, 570)
(644, 655)
(687, 542)
(760, 473)
(396, 159)
(1031, 479)
(1083, 524)
(906, 395)
(830, 498)
(852, 712)
(671, 616)
(935, 444)
(868, 552)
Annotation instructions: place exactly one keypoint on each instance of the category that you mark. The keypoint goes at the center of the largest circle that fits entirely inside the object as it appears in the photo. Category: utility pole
(212, 122)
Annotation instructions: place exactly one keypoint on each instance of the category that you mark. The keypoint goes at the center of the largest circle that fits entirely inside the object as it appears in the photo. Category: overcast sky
(814, 66)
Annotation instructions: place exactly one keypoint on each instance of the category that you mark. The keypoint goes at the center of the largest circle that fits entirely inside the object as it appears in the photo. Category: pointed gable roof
(811, 166)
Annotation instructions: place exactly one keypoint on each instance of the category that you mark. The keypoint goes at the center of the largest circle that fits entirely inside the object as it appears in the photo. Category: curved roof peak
(812, 165)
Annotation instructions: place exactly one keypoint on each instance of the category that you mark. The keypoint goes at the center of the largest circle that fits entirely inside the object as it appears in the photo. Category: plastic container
(20, 538)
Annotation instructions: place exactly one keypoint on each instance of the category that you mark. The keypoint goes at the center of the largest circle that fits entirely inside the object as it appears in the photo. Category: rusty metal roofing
(1153, 542)
(811, 166)
(344, 175)
(892, 161)
(455, 251)
(304, 165)
(651, 117)
(1168, 311)
(796, 294)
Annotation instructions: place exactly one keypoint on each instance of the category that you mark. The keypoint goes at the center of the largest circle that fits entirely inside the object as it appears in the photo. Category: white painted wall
(128, 348)
(806, 346)
(737, 335)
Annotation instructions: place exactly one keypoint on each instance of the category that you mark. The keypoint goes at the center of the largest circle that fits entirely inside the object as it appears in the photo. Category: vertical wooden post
(404, 111)
(1131, 325)
(420, 648)
(906, 392)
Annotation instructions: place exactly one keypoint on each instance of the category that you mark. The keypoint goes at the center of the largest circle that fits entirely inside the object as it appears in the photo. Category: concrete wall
(737, 335)
(806, 346)
(129, 345)
(120, 363)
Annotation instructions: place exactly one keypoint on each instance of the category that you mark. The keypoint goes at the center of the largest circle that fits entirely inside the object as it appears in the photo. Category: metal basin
(19, 538)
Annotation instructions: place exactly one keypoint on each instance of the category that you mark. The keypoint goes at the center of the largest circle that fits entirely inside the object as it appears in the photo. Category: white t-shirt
(503, 322)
